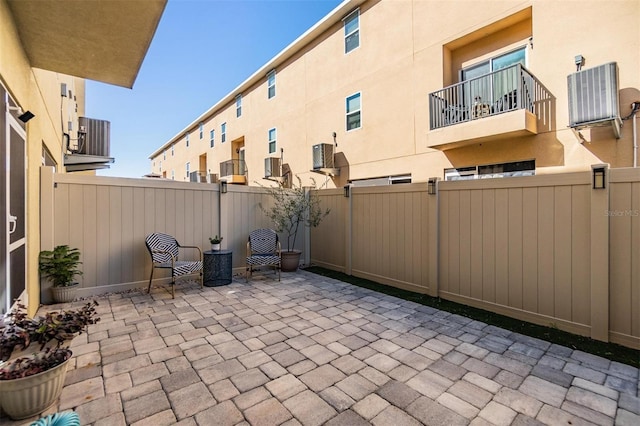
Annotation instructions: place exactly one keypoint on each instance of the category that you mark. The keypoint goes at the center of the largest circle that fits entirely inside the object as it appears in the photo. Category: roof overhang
(102, 40)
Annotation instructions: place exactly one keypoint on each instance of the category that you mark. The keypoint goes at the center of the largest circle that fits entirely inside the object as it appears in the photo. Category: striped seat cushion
(263, 259)
(182, 267)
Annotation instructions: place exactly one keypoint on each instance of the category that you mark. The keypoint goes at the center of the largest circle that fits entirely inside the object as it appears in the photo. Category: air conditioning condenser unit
(323, 156)
(593, 97)
(272, 167)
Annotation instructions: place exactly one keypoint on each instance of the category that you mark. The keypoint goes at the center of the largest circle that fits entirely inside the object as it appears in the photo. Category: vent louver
(593, 97)
(323, 156)
(94, 137)
(272, 167)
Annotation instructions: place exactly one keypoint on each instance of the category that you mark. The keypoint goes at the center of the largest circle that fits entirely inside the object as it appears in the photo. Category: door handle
(13, 222)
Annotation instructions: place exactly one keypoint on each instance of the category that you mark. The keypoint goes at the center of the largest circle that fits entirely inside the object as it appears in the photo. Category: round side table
(218, 267)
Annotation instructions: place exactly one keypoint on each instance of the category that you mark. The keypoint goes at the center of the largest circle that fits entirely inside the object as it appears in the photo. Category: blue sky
(201, 51)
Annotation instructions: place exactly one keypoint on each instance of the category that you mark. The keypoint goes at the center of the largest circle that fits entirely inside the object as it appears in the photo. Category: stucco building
(46, 54)
(384, 91)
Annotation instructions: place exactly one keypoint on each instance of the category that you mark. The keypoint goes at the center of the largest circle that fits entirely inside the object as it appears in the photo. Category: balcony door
(13, 205)
(488, 90)
(241, 164)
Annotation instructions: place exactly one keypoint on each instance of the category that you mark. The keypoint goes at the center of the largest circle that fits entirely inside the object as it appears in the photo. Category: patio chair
(164, 251)
(454, 114)
(263, 249)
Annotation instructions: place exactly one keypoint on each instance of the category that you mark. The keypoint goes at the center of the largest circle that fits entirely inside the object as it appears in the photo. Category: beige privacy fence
(548, 249)
(108, 219)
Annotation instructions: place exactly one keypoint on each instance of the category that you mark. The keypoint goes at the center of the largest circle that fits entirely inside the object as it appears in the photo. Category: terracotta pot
(289, 260)
(64, 294)
(28, 396)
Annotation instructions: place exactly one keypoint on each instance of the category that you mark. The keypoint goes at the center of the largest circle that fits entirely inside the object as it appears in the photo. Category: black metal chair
(263, 249)
(164, 251)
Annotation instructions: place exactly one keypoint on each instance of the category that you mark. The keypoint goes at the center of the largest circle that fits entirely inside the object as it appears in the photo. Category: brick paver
(309, 350)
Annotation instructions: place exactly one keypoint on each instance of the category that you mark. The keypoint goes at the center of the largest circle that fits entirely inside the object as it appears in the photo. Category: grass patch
(611, 351)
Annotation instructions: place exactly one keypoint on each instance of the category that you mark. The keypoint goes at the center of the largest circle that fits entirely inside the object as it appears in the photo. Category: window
(160, 165)
(353, 112)
(271, 84)
(212, 135)
(516, 168)
(47, 158)
(172, 150)
(186, 138)
(164, 155)
(238, 105)
(272, 140)
(201, 130)
(394, 180)
(223, 132)
(187, 169)
(173, 175)
(352, 31)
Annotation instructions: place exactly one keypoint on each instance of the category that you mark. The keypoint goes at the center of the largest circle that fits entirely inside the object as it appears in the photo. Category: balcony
(499, 105)
(233, 171)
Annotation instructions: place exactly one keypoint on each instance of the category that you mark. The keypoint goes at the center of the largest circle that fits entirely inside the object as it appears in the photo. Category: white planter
(215, 247)
(26, 397)
(64, 294)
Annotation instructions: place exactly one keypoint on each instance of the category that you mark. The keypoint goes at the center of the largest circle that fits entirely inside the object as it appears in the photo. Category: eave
(102, 40)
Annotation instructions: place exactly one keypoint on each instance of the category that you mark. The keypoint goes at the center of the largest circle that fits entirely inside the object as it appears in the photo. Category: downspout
(635, 107)
(635, 140)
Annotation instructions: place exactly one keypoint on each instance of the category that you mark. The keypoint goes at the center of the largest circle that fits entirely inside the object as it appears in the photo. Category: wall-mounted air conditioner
(198, 176)
(94, 137)
(323, 156)
(272, 167)
(593, 98)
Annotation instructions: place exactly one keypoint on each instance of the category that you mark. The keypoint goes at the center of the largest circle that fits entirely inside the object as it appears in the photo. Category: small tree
(293, 207)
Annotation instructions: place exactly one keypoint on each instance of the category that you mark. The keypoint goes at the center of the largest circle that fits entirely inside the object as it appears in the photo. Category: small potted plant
(290, 209)
(61, 265)
(34, 357)
(215, 242)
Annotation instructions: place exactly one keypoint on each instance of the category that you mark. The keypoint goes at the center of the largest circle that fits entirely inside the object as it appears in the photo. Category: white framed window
(394, 180)
(160, 165)
(172, 150)
(353, 112)
(164, 155)
(47, 158)
(238, 105)
(173, 175)
(223, 132)
(201, 130)
(271, 84)
(352, 31)
(212, 136)
(272, 140)
(186, 138)
(500, 170)
(186, 167)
